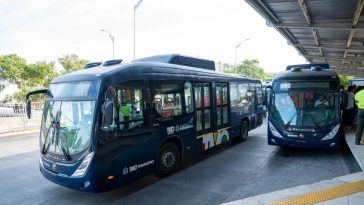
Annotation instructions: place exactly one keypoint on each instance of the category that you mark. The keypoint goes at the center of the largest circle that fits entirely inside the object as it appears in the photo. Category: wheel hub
(168, 159)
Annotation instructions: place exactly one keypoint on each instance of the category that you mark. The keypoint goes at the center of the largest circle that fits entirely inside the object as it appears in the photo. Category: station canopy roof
(323, 31)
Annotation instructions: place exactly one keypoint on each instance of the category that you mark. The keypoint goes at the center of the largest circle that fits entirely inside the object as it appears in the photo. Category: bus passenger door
(222, 115)
(203, 105)
(212, 118)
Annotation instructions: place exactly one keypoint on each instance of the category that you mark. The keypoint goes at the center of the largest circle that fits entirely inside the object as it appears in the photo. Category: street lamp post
(135, 8)
(112, 40)
(236, 48)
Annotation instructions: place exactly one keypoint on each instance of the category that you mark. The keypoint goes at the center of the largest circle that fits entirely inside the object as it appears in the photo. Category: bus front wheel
(168, 159)
(243, 132)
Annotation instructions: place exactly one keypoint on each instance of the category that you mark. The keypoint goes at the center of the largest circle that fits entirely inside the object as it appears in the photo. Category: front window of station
(302, 106)
(67, 124)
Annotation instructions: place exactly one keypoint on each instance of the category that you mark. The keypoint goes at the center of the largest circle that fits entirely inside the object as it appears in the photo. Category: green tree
(250, 68)
(39, 74)
(71, 63)
(11, 68)
(344, 80)
(27, 77)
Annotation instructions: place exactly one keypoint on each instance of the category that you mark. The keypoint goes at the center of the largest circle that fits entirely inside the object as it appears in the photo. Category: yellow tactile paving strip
(324, 195)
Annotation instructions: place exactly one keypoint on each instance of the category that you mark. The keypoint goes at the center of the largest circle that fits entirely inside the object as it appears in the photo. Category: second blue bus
(304, 108)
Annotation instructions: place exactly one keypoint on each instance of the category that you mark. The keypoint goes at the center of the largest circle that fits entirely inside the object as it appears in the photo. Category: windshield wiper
(289, 121)
(66, 155)
(58, 118)
(49, 128)
(55, 123)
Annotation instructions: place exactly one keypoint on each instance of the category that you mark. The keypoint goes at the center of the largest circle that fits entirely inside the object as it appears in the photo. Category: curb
(19, 132)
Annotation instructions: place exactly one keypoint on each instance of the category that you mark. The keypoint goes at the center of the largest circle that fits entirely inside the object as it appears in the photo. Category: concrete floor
(231, 172)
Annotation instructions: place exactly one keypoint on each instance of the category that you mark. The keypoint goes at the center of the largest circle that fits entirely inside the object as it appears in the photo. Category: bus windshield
(306, 109)
(67, 124)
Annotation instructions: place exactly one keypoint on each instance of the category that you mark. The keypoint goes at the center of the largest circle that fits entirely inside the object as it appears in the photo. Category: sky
(44, 30)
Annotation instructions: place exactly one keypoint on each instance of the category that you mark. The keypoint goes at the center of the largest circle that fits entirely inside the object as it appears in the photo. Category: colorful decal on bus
(212, 139)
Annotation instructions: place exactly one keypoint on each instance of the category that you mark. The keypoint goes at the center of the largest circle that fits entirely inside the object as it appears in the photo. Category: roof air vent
(295, 69)
(92, 64)
(112, 62)
(316, 68)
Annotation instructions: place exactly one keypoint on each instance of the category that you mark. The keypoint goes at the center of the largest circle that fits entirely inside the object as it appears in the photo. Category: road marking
(324, 195)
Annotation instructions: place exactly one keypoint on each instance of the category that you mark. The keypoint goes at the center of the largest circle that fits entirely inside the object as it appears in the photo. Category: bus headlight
(41, 162)
(81, 170)
(274, 130)
(332, 133)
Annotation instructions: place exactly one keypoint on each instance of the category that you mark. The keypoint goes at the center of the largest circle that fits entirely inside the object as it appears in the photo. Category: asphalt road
(230, 172)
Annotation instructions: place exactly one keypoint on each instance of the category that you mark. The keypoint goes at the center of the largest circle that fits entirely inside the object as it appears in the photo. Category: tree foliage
(15, 70)
(27, 77)
(250, 68)
(71, 63)
(11, 68)
(344, 80)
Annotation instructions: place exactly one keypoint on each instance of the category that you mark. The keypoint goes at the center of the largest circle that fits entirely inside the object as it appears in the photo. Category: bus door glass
(203, 107)
(222, 115)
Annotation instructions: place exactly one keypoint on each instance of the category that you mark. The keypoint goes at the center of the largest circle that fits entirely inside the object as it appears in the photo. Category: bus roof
(308, 66)
(180, 60)
(147, 70)
(306, 74)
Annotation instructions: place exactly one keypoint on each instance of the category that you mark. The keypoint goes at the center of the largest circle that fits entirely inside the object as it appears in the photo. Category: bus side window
(259, 93)
(243, 99)
(225, 114)
(188, 97)
(167, 99)
(130, 107)
(108, 109)
(234, 95)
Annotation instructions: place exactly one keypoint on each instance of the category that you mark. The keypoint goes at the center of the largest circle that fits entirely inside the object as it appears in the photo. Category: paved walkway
(347, 189)
(20, 132)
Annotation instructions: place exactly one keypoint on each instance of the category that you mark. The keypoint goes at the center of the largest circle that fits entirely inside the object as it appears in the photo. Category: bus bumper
(331, 144)
(330, 140)
(80, 183)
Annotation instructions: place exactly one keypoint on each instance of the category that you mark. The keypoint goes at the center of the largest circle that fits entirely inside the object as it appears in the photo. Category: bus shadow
(144, 184)
(318, 156)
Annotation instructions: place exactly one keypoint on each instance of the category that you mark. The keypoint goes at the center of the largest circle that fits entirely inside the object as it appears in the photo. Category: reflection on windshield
(67, 124)
(305, 108)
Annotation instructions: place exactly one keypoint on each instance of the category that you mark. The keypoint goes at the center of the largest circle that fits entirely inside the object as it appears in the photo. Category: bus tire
(243, 132)
(168, 159)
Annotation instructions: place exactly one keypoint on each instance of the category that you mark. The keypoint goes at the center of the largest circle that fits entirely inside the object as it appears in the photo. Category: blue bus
(110, 124)
(304, 109)
(357, 82)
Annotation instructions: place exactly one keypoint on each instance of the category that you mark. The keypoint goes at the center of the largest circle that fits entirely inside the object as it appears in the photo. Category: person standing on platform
(349, 110)
(359, 99)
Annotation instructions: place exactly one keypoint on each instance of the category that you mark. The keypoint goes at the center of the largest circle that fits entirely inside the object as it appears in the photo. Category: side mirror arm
(29, 103)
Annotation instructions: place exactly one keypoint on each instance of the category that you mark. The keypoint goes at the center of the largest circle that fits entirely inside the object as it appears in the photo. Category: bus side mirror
(249, 93)
(107, 113)
(268, 96)
(28, 108)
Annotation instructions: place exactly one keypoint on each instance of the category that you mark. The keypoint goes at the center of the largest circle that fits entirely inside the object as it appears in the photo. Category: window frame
(202, 109)
(223, 106)
(154, 85)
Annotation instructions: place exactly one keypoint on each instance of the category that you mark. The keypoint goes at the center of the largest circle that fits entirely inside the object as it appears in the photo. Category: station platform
(344, 190)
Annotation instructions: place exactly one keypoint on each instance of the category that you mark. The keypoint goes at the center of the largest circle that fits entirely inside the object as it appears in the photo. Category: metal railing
(13, 116)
